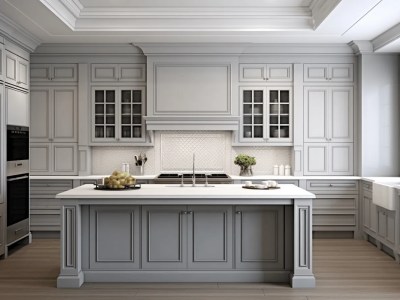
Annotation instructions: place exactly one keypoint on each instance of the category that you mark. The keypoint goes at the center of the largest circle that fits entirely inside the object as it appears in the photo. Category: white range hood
(192, 123)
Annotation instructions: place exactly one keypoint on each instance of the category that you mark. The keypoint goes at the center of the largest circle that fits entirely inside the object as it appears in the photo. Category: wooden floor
(345, 269)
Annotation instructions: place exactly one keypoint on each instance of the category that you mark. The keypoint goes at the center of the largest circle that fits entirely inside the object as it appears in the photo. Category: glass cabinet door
(279, 114)
(253, 114)
(104, 114)
(132, 108)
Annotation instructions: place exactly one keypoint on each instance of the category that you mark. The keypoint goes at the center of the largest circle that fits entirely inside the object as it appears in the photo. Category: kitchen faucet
(194, 175)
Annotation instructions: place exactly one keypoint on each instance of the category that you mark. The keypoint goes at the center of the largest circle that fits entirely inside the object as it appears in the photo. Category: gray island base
(162, 233)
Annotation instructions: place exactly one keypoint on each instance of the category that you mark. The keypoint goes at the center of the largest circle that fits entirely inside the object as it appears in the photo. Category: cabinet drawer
(367, 186)
(87, 181)
(45, 203)
(334, 220)
(45, 220)
(329, 185)
(335, 202)
(295, 182)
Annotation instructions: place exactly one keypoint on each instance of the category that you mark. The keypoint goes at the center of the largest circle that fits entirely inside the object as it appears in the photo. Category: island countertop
(175, 191)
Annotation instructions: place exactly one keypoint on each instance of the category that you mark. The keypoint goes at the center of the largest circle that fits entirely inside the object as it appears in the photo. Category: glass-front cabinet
(118, 114)
(266, 115)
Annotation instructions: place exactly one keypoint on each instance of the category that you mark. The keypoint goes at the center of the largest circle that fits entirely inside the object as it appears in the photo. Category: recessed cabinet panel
(65, 72)
(265, 72)
(40, 72)
(315, 72)
(104, 72)
(210, 238)
(40, 158)
(328, 72)
(164, 233)
(334, 220)
(132, 72)
(114, 237)
(259, 237)
(65, 158)
(341, 72)
(315, 117)
(342, 115)
(65, 112)
(118, 72)
(18, 108)
(252, 72)
(23, 73)
(17, 70)
(11, 68)
(341, 158)
(279, 72)
(316, 159)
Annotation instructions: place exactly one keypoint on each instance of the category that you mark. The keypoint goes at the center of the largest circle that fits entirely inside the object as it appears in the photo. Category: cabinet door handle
(184, 212)
(239, 212)
(190, 212)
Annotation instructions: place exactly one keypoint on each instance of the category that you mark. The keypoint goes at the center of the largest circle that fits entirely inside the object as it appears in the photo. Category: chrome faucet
(194, 174)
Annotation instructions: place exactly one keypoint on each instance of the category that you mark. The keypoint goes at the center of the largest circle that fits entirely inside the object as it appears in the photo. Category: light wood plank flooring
(345, 269)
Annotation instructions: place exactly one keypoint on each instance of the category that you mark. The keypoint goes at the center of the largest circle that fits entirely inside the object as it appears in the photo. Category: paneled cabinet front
(117, 114)
(54, 73)
(114, 238)
(2, 231)
(265, 72)
(260, 237)
(194, 237)
(16, 70)
(54, 114)
(328, 114)
(1, 62)
(266, 115)
(328, 72)
(118, 72)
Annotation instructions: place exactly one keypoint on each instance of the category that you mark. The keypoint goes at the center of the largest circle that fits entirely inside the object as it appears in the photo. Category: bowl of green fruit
(118, 181)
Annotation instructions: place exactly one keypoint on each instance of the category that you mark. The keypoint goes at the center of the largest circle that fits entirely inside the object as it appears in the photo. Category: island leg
(303, 276)
(71, 275)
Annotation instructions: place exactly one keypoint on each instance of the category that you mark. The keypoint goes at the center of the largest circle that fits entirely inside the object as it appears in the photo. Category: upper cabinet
(17, 106)
(54, 114)
(1, 62)
(328, 114)
(266, 115)
(265, 72)
(117, 114)
(328, 72)
(54, 73)
(16, 70)
(118, 73)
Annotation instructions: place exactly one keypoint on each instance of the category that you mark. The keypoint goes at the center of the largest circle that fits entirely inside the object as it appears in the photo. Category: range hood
(192, 123)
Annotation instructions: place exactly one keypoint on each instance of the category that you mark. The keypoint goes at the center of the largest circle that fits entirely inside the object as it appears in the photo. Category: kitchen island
(168, 233)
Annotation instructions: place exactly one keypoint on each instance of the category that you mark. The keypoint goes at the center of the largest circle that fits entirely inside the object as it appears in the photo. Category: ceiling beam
(386, 38)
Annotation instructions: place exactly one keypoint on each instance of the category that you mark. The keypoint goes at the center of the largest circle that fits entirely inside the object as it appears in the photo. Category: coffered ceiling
(206, 21)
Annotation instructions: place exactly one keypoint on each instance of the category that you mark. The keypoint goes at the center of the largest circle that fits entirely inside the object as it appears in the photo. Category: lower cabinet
(369, 210)
(195, 237)
(54, 159)
(44, 207)
(114, 238)
(259, 237)
(336, 205)
(386, 230)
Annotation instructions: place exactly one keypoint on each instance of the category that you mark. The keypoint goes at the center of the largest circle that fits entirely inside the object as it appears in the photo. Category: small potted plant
(245, 162)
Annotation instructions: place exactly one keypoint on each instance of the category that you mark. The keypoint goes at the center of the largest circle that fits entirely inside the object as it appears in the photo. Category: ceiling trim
(66, 10)
(17, 34)
(386, 38)
(362, 47)
(321, 9)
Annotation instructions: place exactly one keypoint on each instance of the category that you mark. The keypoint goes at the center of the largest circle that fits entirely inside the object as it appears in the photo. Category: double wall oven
(17, 183)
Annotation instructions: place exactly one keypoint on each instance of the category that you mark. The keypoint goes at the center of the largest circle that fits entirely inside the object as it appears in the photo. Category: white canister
(281, 170)
(287, 170)
(276, 170)
(125, 168)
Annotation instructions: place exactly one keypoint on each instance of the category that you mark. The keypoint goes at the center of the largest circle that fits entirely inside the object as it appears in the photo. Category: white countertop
(160, 191)
(73, 177)
(381, 179)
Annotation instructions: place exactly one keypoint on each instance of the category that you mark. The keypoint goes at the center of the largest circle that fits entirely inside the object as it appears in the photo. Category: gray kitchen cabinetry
(265, 72)
(117, 114)
(336, 205)
(181, 237)
(266, 115)
(54, 114)
(280, 181)
(54, 130)
(328, 72)
(114, 234)
(386, 230)
(259, 237)
(53, 158)
(18, 106)
(1, 62)
(328, 130)
(16, 70)
(369, 210)
(54, 73)
(44, 207)
(118, 72)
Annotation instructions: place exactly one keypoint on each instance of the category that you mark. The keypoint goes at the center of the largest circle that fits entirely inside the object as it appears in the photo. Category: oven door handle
(18, 178)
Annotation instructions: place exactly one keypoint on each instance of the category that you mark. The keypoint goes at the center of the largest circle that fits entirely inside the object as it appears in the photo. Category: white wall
(379, 95)
(173, 151)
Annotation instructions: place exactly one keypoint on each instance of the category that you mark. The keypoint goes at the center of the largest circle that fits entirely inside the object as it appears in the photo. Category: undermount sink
(385, 194)
(189, 185)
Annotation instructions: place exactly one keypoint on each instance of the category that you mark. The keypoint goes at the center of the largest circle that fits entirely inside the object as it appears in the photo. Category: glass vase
(246, 171)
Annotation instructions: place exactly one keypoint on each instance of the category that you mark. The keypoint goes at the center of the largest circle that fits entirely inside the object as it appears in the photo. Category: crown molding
(67, 11)
(17, 34)
(386, 38)
(321, 9)
(362, 47)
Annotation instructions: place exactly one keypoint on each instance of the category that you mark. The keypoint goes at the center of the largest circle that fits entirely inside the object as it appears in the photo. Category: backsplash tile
(173, 151)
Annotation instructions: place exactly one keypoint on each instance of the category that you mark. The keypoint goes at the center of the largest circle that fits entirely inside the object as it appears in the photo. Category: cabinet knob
(239, 212)
(184, 212)
(190, 212)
